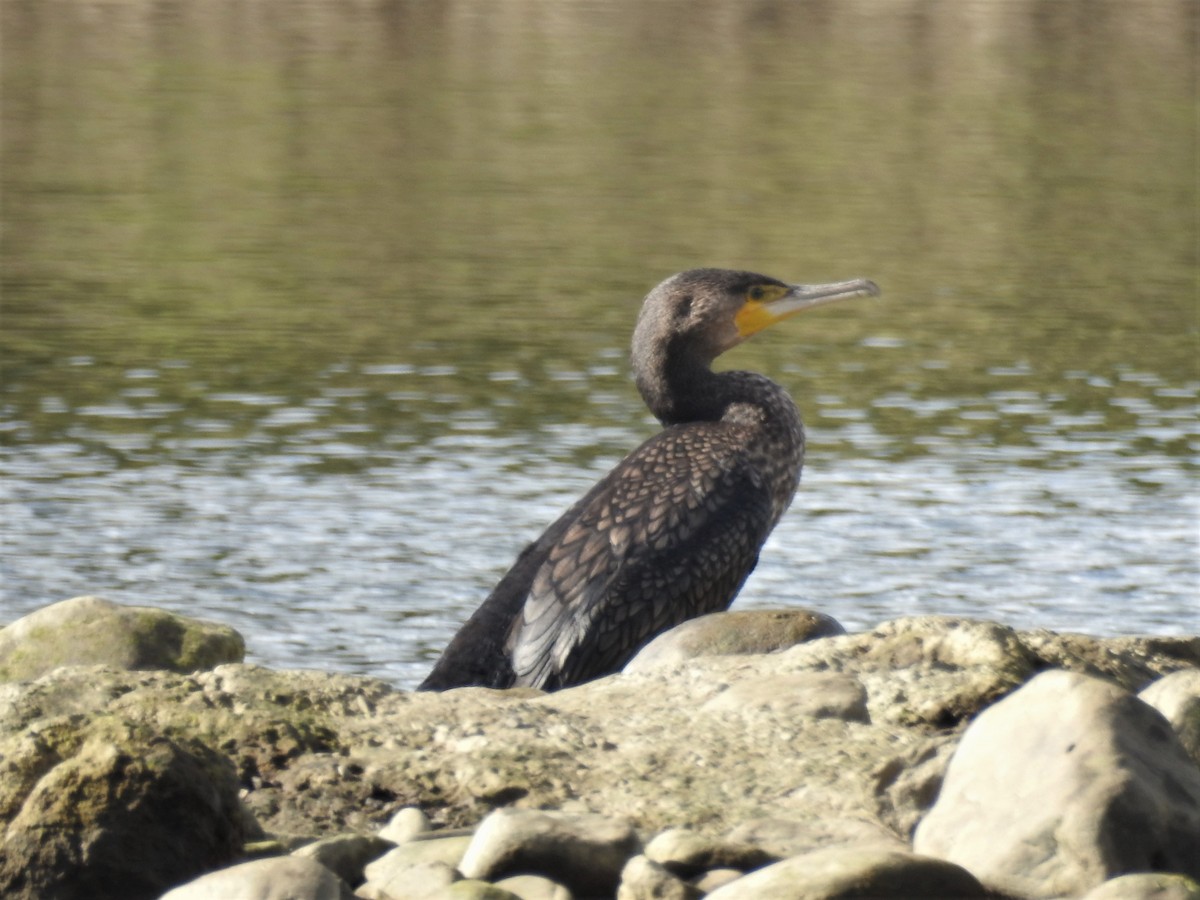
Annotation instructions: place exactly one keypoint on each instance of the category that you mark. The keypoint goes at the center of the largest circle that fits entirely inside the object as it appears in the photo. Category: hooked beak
(756, 315)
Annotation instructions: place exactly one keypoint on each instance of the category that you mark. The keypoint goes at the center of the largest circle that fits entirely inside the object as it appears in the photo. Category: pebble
(390, 866)
(472, 889)
(586, 852)
(644, 879)
(715, 878)
(405, 825)
(822, 695)
(346, 855)
(421, 881)
(686, 853)
(534, 887)
(282, 878)
(738, 632)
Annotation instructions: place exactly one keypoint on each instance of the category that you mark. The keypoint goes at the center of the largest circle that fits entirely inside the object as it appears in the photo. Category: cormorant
(675, 528)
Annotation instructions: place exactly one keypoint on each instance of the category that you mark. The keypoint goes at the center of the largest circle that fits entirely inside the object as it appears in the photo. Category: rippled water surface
(313, 314)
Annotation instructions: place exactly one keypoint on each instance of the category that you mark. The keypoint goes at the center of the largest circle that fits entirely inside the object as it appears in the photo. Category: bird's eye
(756, 293)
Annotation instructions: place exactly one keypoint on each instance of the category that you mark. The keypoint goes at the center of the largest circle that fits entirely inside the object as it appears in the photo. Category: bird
(675, 528)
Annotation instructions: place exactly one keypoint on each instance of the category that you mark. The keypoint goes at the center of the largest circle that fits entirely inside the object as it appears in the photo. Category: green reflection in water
(274, 226)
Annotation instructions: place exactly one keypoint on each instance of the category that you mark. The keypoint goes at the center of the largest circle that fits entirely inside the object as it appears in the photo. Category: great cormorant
(675, 528)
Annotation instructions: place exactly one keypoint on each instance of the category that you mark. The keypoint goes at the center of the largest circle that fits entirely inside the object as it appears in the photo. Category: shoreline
(839, 745)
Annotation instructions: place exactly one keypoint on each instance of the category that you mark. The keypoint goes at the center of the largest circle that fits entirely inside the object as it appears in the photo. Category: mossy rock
(123, 816)
(95, 631)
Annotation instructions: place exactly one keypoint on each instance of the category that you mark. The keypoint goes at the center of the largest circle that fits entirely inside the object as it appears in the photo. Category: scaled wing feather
(669, 534)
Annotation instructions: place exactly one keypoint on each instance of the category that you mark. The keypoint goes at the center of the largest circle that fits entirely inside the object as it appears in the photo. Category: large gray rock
(283, 878)
(850, 873)
(583, 851)
(748, 631)
(95, 631)
(1177, 697)
(1067, 783)
(124, 819)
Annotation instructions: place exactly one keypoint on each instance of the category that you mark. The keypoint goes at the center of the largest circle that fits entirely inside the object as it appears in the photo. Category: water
(313, 314)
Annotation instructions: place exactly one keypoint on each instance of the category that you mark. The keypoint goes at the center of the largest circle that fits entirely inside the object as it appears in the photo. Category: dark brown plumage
(675, 528)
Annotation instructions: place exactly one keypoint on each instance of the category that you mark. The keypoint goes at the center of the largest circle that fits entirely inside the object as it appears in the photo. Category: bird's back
(669, 534)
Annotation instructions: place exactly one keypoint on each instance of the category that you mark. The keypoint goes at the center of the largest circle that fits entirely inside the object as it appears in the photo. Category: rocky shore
(745, 755)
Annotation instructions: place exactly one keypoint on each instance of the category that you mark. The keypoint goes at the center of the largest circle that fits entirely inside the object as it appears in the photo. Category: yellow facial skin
(756, 314)
(767, 304)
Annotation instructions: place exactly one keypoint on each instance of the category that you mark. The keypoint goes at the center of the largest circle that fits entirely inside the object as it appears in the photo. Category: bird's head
(702, 313)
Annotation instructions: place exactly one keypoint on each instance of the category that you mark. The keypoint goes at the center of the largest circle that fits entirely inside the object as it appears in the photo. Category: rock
(1131, 662)
(328, 753)
(852, 872)
(906, 786)
(823, 695)
(282, 878)
(781, 838)
(124, 818)
(472, 889)
(1146, 886)
(95, 631)
(644, 879)
(686, 853)
(1068, 782)
(447, 851)
(1177, 697)
(346, 855)
(420, 881)
(929, 671)
(320, 754)
(252, 832)
(737, 632)
(534, 887)
(583, 851)
(265, 849)
(715, 878)
(405, 825)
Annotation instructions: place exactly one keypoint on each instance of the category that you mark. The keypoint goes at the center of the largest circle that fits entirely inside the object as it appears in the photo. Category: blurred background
(313, 312)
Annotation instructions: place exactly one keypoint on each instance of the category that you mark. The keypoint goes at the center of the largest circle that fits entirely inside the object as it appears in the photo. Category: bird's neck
(770, 431)
(679, 390)
(688, 390)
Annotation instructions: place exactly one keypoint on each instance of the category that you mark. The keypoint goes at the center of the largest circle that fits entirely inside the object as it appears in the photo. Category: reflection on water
(323, 307)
